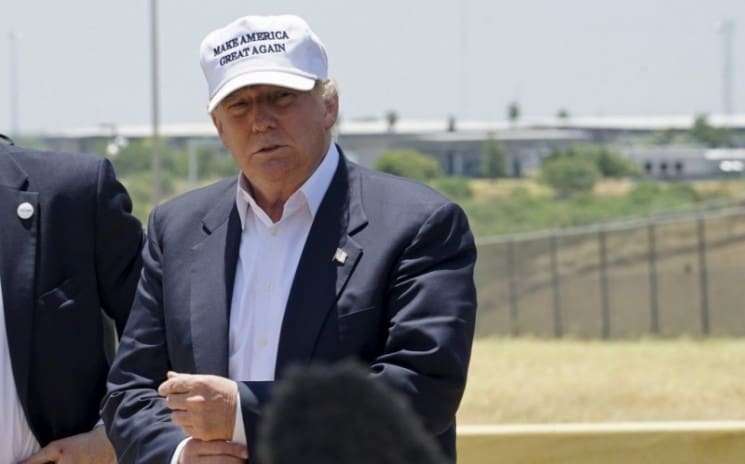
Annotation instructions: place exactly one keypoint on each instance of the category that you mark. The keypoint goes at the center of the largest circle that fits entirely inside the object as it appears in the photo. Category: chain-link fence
(666, 276)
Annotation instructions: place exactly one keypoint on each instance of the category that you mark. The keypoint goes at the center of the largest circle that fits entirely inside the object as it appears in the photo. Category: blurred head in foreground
(338, 415)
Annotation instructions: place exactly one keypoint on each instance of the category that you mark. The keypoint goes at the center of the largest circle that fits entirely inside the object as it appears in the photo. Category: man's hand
(203, 405)
(87, 448)
(208, 452)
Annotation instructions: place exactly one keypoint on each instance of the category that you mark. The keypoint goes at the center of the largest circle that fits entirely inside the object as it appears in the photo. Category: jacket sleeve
(431, 312)
(137, 419)
(119, 238)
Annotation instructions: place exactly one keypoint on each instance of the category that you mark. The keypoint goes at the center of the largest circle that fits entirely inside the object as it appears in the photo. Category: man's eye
(283, 98)
(237, 107)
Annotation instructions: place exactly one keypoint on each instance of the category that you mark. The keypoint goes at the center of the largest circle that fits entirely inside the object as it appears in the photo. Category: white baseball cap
(275, 50)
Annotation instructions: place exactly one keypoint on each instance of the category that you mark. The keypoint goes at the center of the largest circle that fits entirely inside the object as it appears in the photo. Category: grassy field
(507, 206)
(538, 381)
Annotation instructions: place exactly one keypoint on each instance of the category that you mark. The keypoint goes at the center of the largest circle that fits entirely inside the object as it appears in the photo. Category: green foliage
(455, 188)
(409, 163)
(523, 211)
(609, 162)
(708, 135)
(570, 175)
(493, 163)
(136, 158)
(513, 111)
(214, 163)
(140, 188)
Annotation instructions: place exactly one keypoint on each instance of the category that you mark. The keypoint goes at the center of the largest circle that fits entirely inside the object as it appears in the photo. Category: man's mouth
(268, 149)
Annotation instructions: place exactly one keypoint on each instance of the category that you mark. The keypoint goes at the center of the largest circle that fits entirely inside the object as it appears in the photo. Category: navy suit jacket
(77, 254)
(403, 302)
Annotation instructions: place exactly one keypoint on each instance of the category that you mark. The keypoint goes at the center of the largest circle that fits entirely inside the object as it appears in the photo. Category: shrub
(493, 160)
(568, 175)
(609, 162)
(455, 188)
(409, 163)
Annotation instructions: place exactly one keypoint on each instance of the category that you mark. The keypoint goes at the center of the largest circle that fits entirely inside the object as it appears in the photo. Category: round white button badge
(25, 210)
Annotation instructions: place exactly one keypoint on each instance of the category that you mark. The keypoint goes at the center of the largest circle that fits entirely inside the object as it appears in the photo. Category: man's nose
(263, 117)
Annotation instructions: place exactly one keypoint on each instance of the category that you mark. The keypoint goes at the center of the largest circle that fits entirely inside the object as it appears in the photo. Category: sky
(87, 62)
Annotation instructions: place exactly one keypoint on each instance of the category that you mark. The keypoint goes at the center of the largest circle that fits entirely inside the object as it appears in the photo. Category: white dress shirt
(17, 441)
(269, 256)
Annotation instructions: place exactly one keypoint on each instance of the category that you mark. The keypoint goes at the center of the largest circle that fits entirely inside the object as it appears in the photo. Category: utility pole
(14, 87)
(727, 30)
(155, 94)
(463, 72)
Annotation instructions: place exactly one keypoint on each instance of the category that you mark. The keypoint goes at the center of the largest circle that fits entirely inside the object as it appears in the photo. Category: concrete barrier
(604, 443)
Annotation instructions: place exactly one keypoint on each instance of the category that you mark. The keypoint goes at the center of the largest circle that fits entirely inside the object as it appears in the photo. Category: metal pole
(603, 251)
(654, 308)
(14, 87)
(558, 323)
(514, 330)
(703, 276)
(463, 87)
(727, 29)
(155, 94)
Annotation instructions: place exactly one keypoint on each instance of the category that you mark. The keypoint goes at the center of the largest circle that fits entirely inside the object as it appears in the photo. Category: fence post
(603, 251)
(703, 276)
(514, 330)
(654, 307)
(558, 325)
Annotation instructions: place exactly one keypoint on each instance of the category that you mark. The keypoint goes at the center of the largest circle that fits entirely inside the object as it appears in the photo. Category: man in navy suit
(303, 258)
(69, 252)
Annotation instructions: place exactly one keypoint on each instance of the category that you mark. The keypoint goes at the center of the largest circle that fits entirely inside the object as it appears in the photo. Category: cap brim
(281, 79)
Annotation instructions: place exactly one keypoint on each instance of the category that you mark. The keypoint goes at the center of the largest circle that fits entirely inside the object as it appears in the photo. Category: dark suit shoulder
(183, 211)
(390, 196)
(57, 170)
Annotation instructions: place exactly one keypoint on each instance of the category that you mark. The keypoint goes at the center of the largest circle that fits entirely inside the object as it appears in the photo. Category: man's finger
(177, 401)
(180, 383)
(50, 453)
(182, 419)
(218, 448)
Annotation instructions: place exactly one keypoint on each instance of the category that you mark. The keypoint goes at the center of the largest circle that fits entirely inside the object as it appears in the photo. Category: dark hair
(340, 415)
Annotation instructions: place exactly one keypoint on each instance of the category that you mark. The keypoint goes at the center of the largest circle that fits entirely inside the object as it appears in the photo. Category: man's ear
(216, 122)
(332, 111)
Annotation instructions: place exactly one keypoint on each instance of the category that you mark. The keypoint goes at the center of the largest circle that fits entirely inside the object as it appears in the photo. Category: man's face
(276, 135)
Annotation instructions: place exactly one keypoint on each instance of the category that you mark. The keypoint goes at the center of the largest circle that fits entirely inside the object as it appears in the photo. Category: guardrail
(604, 443)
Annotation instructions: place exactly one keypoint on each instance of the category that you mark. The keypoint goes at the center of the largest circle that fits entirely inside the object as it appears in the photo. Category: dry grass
(534, 381)
(502, 188)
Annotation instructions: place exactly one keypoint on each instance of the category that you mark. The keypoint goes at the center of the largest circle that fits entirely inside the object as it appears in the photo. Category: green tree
(513, 112)
(493, 160)
(609, 162)
(708, 135)
(136, 158)
(409, 163)
(570, 175)
(391, 118)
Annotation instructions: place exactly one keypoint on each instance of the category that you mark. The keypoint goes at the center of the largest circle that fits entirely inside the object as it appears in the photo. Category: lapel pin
(25, 210)
(340, 256)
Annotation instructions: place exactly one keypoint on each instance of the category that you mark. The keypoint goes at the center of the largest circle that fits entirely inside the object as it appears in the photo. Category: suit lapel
(320, 277)
(212, 277)
(18, 238)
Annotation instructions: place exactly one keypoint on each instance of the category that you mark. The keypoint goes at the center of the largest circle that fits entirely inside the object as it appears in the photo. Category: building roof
(434, 126)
